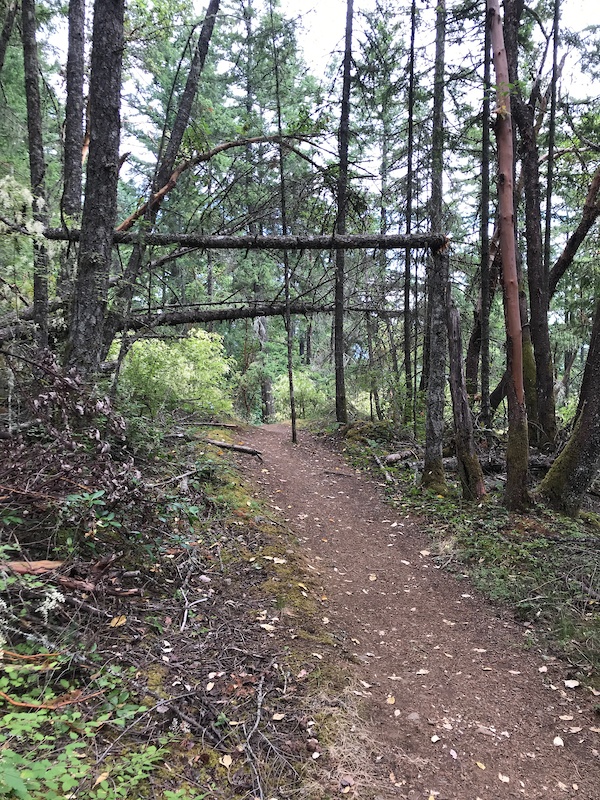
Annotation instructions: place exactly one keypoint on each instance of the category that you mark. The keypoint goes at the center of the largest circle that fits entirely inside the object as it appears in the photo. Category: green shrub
(311, 394)
(192, 373)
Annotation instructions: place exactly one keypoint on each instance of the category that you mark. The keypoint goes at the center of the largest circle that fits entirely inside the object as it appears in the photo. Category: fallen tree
(363, 241)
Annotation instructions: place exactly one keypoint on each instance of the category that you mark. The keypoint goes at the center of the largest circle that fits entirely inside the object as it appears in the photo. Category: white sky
(323, 23)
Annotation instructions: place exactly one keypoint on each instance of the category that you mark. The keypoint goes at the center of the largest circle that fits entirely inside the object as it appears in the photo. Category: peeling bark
(516, 497)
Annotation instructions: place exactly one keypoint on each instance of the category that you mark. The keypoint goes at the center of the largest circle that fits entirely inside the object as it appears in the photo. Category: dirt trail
(457, 706)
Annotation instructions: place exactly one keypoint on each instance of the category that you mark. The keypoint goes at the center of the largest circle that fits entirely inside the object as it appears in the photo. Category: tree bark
(37, 167)
(408, 369)
(100, 205)
(72, 182)
(164, 169)
(7, 30)
(537, 276)
(572, 473)
(284, 231)
(516, 495)
(487, 279)
(341, 410)
(438, 282)
(589, 215)
(469, 468)
(71, 198)
(416, 241)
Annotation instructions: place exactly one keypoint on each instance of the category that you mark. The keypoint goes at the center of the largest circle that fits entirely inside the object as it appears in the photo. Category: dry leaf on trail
(422, 672)
(267, 627)
(480, 764)
(210, 686)
(226, 760)
(558, 742)
(503, 778)
(575, 729)
(390, 700)
(595, 692)
(102, 777)
(543, 669)
(277, 717)
(365, 684)
(566, 717)
(117, 622)
(435, 738)
(571, 684)
(372, 577)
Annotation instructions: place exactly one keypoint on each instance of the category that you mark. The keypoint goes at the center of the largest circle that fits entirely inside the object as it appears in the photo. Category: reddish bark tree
(516, 496)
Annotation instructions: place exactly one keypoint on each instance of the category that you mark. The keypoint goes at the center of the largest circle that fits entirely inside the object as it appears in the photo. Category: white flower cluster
(52, 598)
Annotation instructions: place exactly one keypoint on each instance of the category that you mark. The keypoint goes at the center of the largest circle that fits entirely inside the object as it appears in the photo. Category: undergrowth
(541, 565)
(146, 608)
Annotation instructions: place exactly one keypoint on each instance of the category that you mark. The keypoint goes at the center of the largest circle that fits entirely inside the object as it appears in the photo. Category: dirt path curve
(456, 705)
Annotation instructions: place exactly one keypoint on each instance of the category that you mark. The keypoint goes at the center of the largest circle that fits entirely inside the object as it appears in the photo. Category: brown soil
(457, 702)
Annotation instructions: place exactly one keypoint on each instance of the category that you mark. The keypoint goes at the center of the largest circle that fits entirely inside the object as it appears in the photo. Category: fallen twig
(239, 448)
(58, 703)
(216, 425)
(386, 474)
(172, 480)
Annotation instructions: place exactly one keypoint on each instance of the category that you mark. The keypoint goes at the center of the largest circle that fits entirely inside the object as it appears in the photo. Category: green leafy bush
(192, 373)
(311, 394)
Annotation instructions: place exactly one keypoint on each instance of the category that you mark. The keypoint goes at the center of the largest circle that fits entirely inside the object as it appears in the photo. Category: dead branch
(189, 163)
(386, 474)
(215, 425)
(391, 241)
(74, 697)
(177, 477)
(238, 448)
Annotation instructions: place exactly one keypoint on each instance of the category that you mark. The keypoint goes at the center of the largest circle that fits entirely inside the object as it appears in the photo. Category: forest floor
(456, 699)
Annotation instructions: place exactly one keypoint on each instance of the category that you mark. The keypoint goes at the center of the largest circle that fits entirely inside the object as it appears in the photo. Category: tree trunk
(374, 391)
(341, 410)
(7, 30)
(72, 185)
(37, 167)
(516, 496)
(575, 468)
(469, 468)
(537, 276)
(438, 282)
(284, 232)
(100, 206)
(408, 376)
(164, 169)
(488, 279)
(589, 215)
